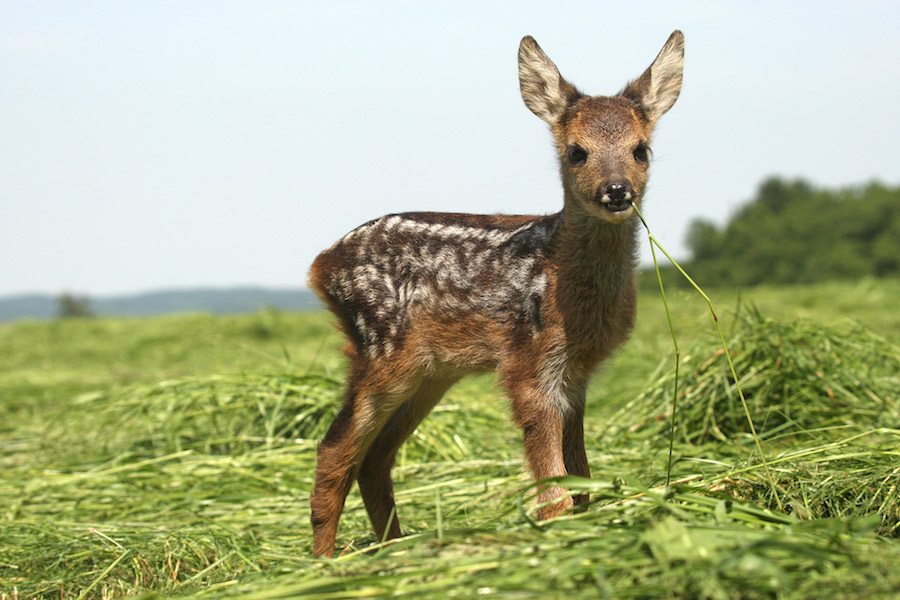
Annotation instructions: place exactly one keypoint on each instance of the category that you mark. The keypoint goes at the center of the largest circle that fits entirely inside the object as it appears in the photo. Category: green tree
(792, 232)
(71, 306)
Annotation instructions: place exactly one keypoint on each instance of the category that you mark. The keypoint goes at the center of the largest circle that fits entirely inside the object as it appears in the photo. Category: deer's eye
(642, 154)
(576, 155)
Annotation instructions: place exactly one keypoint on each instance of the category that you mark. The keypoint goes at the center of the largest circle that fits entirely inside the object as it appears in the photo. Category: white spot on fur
(361, 326)
(390, 222)
(539, 284)
(519, 273)
(553, 381)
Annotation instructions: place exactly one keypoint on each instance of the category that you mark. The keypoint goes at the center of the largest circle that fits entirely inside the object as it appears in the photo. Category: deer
(426, 298)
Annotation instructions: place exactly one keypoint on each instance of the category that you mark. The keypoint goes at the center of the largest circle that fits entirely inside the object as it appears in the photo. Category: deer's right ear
(544, 90)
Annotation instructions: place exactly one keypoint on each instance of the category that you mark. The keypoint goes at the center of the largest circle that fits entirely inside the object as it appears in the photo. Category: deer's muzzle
(615, 197)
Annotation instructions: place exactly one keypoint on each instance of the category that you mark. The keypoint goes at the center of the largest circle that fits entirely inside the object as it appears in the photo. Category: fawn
(426, 298)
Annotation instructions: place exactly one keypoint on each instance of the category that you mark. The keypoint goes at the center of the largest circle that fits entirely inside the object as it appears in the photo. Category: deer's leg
(540, 416)
(574, 454)
(375, 483)
(364, 414)
(332, 480)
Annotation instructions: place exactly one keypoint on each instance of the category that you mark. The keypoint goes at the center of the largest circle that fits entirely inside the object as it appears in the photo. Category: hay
(798, 378)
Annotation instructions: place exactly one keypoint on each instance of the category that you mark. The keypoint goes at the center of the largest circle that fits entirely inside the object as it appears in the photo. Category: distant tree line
(792, 232)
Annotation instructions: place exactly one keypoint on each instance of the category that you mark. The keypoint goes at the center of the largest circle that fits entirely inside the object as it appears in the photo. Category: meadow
(173, 457)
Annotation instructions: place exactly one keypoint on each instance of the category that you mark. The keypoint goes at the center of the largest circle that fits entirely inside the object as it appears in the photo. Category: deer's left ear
(657, 89)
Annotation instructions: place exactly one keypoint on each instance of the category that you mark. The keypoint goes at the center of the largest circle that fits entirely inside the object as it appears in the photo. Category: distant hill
(212, 300)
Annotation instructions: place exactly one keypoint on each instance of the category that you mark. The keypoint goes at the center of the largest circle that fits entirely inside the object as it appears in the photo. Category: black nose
(616, 191)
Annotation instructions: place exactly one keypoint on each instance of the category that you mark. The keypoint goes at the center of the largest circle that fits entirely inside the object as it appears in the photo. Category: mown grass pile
(196, 483)
(797, 377)
(835, 392)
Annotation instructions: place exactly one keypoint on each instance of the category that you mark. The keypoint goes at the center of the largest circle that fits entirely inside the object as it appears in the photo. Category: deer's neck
(595, 263)
(594, 253)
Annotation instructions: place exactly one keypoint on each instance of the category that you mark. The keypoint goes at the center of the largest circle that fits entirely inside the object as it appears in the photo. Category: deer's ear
(657, 89)
(544, 90)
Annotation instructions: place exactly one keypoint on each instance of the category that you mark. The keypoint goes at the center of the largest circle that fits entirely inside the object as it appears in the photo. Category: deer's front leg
(540, 416)
(574, 454)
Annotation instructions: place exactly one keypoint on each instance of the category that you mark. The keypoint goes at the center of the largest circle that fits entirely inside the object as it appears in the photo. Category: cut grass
(189, 477)
(799, 378)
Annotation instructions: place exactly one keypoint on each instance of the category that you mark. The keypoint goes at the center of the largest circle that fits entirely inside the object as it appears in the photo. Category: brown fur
(426, 298)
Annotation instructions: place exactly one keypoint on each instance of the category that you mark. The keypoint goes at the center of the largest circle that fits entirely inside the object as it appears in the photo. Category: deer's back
(454, 272)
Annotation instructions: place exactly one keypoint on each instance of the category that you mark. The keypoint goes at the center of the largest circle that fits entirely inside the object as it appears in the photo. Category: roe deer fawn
(426, 298)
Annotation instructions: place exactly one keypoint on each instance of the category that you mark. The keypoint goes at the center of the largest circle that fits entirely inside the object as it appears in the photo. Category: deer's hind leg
(375, 482)
(369, 404)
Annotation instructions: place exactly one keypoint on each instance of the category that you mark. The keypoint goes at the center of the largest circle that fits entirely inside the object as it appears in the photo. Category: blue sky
(148, 145)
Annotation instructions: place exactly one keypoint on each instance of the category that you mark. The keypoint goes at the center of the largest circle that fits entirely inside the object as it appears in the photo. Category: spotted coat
(449, 266)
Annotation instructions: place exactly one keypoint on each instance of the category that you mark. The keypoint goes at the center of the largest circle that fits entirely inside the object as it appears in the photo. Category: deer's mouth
(617, 205)
(616, 197)
(612, 210)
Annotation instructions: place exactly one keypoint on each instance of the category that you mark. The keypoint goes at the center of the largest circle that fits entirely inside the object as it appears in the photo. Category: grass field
(173, 457)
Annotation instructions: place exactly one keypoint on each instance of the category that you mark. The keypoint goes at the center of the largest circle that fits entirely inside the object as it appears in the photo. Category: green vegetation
(792, 232)
(71, 306)
(173, 457)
